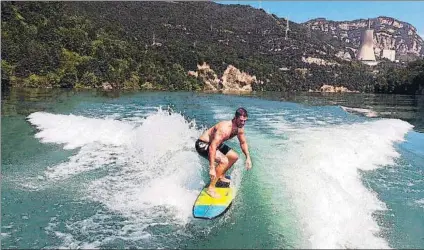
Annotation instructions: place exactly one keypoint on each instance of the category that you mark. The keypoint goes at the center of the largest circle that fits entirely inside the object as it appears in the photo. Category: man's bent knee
(224, 161)
(232, 156)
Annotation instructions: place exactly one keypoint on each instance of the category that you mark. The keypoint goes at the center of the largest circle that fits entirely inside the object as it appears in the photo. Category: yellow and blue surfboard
(207, 207)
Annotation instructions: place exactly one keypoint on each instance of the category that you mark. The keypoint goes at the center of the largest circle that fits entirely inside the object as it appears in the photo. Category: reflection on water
(409, 108)
(24, 101)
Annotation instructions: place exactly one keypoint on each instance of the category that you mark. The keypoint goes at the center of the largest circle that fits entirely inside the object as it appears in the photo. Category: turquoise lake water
(119, 170)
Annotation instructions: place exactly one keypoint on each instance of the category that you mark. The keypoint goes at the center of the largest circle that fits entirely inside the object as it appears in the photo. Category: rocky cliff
(232, 81)
(389, 33)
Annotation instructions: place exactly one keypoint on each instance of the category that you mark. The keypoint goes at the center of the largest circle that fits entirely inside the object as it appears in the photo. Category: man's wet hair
(241, 112)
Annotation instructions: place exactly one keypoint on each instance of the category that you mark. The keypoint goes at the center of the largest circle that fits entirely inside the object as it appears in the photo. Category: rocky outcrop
(344, 55)
(232, 81)
(107, 86)
(206, 75)
(317, 61)
(235, 80)
(331, 89)
(389, 34)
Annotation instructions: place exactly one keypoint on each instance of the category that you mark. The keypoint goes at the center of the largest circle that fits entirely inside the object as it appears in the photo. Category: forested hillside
(154, 44)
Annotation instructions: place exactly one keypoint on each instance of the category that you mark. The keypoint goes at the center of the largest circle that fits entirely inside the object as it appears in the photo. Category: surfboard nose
(208, 212)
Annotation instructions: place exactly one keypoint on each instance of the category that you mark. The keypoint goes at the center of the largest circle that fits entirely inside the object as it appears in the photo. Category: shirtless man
(210, 145)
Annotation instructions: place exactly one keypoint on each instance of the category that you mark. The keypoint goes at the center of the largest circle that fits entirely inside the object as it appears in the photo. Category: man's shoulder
(223, 125)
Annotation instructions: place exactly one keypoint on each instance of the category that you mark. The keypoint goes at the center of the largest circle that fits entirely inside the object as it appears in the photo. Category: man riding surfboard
(210, 145)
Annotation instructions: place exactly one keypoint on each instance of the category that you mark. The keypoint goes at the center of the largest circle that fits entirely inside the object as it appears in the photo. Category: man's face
(240, 121)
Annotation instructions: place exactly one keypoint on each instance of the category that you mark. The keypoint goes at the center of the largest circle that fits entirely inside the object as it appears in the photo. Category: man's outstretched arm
(245, 148)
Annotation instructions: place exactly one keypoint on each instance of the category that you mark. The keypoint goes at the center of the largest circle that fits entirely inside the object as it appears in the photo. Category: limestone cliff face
(333, 89)
(389, 33)
(233, 80)
(206, 75)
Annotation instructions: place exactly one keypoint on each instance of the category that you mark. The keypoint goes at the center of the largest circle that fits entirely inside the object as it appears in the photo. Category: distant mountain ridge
(135, 44)
(389, 33)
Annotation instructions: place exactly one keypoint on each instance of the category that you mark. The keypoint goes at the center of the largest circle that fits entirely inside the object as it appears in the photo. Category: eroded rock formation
(232, 80)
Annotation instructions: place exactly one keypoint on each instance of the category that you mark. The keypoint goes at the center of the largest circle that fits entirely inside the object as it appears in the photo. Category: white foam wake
(151, 172)
(76, 131)
(365, 112)
(319, 168)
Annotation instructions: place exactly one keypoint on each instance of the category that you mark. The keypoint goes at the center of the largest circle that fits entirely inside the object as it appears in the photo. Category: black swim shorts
(203, 148)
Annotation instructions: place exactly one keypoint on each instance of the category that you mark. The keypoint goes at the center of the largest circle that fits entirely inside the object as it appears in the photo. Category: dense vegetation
(395, 79)
(135, 45)
(45, 47)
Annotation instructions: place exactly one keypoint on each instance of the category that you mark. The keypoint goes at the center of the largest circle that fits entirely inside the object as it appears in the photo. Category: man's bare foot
(223, 179)
(212, 193)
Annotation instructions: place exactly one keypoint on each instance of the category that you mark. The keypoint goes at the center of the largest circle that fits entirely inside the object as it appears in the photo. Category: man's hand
(248, 164)
(212, 174)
